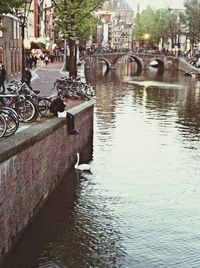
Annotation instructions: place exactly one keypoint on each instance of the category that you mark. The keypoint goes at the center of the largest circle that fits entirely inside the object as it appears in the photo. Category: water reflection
(138, 207)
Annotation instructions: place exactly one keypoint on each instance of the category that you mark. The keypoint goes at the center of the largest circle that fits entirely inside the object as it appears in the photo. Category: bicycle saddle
(36, 91)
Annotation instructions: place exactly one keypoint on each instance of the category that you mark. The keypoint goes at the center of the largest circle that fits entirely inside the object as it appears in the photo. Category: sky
(155, 4)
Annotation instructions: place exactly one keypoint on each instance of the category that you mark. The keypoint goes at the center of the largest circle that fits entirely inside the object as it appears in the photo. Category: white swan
(82, 166)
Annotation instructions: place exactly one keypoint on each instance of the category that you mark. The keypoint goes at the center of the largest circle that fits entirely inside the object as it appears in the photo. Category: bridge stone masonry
(142, 60)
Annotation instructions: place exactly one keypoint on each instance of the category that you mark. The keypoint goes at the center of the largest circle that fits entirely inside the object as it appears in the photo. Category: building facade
(39, 28)
(10, 46)
(116, 26)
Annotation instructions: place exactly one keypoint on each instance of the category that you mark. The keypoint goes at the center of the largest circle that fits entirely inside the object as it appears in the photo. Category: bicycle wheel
(83, 95)
(26, 110)
(43, 106)
(12, 111)
(2, 125)
(60, 86)
(34, 101)
(12, 123)
(2, 90)
(73, 87)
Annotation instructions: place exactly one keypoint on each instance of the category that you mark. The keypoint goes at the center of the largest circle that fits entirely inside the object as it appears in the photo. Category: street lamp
(23, 16)
(146, 38)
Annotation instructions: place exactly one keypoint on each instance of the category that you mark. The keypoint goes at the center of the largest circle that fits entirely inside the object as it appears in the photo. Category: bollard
(71, 124)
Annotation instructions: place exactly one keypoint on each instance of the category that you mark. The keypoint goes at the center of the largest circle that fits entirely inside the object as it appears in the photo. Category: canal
(139, 205)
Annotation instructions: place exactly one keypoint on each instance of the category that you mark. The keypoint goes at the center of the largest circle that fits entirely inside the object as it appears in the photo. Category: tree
(175, 25)
(145, 24)
(160, 24)
(4, 7)
(192, 19)
(9, 6)
(75, 21)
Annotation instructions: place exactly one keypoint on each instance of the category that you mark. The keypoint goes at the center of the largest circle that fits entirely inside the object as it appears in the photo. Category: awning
(37, 45)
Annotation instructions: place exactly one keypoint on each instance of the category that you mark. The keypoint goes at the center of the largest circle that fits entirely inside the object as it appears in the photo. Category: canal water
(139, 205)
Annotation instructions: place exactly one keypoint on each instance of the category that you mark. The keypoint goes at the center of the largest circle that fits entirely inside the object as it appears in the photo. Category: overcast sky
(155, 4)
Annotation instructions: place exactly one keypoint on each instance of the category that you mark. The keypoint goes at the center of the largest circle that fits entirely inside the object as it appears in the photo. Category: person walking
(28, 76)
(46, 60)
(2, 78)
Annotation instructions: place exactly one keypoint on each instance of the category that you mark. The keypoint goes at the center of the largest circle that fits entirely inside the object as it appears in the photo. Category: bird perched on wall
(81, 167)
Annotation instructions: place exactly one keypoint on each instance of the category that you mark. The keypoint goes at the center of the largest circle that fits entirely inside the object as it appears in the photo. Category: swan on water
(81, 166)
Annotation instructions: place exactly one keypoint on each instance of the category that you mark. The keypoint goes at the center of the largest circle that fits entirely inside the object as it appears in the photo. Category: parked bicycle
(25, 108)
(12, 121)
(3, 125)
(73, 88)
(41, 103)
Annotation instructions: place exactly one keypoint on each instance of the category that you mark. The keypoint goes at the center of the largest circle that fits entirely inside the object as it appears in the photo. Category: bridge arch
(160, 63)
(107, 62)
(137, 60)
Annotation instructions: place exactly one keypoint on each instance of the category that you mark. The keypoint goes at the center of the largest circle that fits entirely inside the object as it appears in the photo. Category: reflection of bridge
(142, 60)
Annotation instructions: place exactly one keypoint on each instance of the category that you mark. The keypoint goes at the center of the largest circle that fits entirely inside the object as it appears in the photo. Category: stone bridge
(142, 60)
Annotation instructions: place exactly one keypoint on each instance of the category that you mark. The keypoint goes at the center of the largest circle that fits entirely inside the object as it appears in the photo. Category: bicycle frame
(10, 99)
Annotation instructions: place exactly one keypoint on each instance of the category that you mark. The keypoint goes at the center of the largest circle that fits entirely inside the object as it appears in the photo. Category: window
(1, 54)
(12, 63)
(14, 29)
(18, 29)
(15, 63)
(1, 32)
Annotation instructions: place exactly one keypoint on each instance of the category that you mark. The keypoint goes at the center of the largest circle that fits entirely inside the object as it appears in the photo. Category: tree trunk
(72, 60)
(66, 57)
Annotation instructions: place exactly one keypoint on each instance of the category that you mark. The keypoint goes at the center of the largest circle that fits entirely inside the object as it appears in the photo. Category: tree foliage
(145, 24)
(9, 6)
(76, 21)
(192, 19)
(159, 24)
(74, 18)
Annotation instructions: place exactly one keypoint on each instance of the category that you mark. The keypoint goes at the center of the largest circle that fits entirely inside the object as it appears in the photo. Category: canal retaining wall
(32, 163)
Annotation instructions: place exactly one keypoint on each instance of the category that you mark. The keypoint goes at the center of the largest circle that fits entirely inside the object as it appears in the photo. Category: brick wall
(31, 164)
